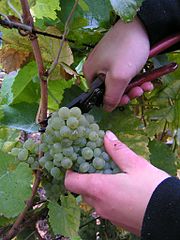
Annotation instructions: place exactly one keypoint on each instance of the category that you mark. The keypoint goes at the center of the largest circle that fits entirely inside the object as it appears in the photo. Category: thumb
(124, 157)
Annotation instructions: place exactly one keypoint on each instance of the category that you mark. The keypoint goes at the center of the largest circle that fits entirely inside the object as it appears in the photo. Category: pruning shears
(94, 97)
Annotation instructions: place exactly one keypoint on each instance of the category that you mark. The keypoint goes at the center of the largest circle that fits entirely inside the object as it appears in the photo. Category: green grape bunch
(72, 140)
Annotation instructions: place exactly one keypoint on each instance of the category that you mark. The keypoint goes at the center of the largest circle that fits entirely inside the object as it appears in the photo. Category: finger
(77, 183)
(124, 100)
(135, 92)
(147, 86)
(115, 86)
(123, 156)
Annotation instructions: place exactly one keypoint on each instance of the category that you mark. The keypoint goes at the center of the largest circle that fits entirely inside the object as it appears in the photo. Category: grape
(84, 167)
(68, 151)
(108, 171)
(30, 160)
(48, 156)
(66, 163)
(75, 112)
(35, 165)
(55, 172)
(87, 153)
(83, 122)
(57, 147)
(29, 144)
(91, 145)
(107, 165)
(80, 160)
(66, 142)
(98, 163)
(57, 123)
(89, 118)
(15, 151)
(93, 136)
(81, 142)
(97, 152)
(56, 162)
(65, 131)
(94, 127)
(105, 156)
(99, 142)
(74, 157)
(72, 122)
(23, 154)
(91, 169)
(58, 156)
(74, 135)
(43, 147)
(101, 133)
(48, 165)
(76, 149)
(82, 131)
(42, 161)
(116, 170)
(64, 113)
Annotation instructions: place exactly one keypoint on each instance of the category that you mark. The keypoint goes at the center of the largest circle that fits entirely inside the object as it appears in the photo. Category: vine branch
(66, 29)
(28, 19)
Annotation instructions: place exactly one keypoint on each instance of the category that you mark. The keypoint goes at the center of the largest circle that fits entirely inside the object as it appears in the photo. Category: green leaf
(7, 163)
(20, 116)
(56, 90)
(6, 93)
(162, 157)
(19, 86)
(126, 9)
(65, 219)
(118, 121)
(14, 190)
(137, 142)
(45, 8)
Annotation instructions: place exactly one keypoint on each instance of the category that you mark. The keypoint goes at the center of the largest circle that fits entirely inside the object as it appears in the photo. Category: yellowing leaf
(12, 59)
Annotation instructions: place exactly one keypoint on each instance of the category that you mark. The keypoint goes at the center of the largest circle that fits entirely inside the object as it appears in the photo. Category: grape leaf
(20, 116)
(118, 121)
(6, 93)
(56, 89)
(50, 47)
(7, 163)
(45, 8)
(67, 216)
(14, 190)
(12, 59)
(126, 9)
(162, 156)
(138, 143)
(8, 137)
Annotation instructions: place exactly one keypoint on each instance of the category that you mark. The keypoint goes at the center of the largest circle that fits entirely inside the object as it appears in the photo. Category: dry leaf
(12, 59)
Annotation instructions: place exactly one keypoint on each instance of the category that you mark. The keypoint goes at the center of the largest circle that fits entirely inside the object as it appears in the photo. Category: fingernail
(111, 136)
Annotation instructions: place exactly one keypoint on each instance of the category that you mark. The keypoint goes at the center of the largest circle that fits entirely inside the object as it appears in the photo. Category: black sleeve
(162, 216)
(161, 18)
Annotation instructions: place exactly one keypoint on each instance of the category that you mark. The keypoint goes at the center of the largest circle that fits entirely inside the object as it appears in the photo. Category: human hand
(120, 55)
(121, 198)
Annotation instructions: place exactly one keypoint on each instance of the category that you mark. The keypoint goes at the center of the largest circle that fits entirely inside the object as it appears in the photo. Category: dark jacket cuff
(160, 18)
(162, 216)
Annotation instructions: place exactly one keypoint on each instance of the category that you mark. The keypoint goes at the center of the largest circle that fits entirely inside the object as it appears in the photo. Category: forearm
(160, 18)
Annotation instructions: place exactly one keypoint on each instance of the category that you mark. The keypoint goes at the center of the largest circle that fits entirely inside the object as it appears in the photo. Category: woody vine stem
(42, 112)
